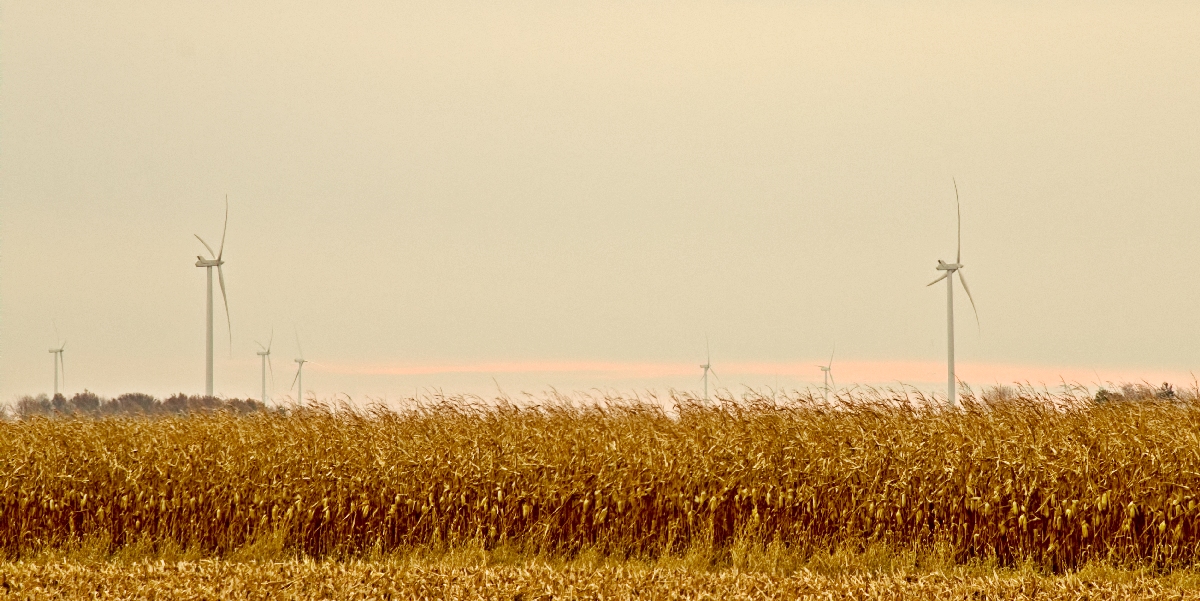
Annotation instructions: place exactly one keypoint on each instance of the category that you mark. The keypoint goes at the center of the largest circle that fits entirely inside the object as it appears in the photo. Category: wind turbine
(217, 262)
(707, 367)
(265, 353)
(828, 371)
(951, 269)
(58, 361)
(299, 379)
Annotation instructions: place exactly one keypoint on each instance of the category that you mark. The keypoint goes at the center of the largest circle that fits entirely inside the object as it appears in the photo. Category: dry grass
(475, 573)
(1057, 482)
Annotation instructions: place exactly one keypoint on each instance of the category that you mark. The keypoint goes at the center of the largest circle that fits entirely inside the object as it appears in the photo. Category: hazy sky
(574, 194)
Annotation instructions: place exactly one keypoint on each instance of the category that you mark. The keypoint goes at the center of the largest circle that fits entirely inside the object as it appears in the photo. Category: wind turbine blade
(714, 373)
(271, 340)
(298, 368)
(707, 351)
(272, 368)
(221, 253)
(958, 206)
(228, 323)
(62, 365)
(964, 283)
(831, 358)
(214, 255)
(944, 276)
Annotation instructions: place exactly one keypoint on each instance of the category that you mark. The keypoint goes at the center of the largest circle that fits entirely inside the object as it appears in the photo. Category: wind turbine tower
(265, 354)
(707, 367)
(828, 372)
(299, 379)
(216, 261)
(58, 362)
(950, 269)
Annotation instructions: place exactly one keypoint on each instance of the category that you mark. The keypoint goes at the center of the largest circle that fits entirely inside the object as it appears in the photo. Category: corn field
(1034, 477)
(374, 581)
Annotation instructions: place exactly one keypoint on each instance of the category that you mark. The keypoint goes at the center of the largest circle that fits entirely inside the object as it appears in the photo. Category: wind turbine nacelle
(948, 266)
(202, 262)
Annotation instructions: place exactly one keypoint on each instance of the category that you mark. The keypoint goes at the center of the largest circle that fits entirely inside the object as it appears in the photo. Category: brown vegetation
(546, 581)
(89, 404)
(1059, 481)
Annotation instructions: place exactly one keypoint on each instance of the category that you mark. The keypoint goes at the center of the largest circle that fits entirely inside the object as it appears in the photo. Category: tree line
(90, 404)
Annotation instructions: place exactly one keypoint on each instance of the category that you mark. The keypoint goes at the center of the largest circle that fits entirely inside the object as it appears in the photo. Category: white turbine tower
(828, 371)
(265, 354)
(951, 269)
(58, 362)
(217, 262)
(707, 367)
(299, 379)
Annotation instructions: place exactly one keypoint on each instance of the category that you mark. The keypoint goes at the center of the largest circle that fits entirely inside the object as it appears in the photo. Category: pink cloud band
(845, 371)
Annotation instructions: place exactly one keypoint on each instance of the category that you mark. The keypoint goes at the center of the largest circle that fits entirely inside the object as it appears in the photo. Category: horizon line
(848, 371)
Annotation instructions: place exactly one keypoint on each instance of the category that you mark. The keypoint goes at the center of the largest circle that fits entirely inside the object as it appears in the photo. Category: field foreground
(540, 580)
(1057, 482)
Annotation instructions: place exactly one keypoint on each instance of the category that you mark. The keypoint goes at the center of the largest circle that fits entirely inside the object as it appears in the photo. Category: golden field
(1055, 482)
(544, 581)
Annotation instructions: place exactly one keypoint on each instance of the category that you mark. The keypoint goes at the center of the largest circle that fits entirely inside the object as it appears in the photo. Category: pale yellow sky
(576, 194)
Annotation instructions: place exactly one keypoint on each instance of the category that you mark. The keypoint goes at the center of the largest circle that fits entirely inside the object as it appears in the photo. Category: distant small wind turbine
(58, 362)
(951, 269)
(828, 371)
(707, 367)
(216, 261)
(265, 353)
(299, 379)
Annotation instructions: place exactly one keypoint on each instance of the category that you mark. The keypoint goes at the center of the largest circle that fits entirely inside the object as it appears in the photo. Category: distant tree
(136, 402)
(29, 406)
(85, 402)
(88, 403)
(177, 403)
